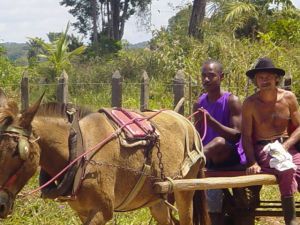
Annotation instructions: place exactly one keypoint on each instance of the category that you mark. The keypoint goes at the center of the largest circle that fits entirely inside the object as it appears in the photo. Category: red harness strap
(11, 180)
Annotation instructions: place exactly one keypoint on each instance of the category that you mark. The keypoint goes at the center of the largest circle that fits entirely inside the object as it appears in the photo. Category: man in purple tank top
(223, 113)
(222, 145)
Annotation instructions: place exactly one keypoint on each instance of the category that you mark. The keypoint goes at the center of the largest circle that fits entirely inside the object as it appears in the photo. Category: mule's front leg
(162, 214)
(184, 202)
(97, 218)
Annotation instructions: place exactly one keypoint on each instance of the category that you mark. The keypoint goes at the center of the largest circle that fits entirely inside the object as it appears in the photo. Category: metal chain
(138, 172)
(160, 164)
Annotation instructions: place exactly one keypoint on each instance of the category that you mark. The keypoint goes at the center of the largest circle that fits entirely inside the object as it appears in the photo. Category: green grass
(32, 210)
(272, 193)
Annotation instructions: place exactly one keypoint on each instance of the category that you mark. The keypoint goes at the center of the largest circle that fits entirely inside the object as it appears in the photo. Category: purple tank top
(219, 110)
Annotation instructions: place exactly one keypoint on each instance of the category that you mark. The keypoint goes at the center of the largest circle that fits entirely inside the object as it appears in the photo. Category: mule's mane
(54, 109)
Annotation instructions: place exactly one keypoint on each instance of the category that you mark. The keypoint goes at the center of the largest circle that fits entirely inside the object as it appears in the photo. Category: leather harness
(138, 134)
(70, 182)
(67, 188)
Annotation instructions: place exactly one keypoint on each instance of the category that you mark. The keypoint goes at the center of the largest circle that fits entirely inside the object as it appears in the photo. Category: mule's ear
(28, 115)
(5, 120)
(3, 99)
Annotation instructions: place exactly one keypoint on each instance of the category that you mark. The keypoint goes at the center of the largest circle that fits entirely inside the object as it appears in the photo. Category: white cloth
(281, 159)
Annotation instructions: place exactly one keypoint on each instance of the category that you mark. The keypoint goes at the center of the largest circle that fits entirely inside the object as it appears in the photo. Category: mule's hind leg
(184, 204)
(161, 213)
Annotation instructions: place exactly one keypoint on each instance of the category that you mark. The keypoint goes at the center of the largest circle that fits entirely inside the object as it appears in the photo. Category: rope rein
(111, 137)
(97, 146)
(201, 110)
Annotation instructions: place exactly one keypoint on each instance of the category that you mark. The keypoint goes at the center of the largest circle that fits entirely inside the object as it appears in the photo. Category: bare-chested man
(266, 117)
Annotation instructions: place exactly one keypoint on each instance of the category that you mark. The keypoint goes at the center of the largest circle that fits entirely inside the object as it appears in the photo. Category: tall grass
(32, 210)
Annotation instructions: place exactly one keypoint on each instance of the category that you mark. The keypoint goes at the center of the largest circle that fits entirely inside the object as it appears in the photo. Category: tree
(73, 41)
(197, 17)
(283, 27)
(246, 17)
(57, 52)
(2, 51)
(34, 49)
(105, 17)
(10, 74)
(179, 24)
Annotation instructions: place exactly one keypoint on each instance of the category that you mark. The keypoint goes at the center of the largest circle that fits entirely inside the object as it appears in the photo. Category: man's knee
(215, 146)
(218, 150)
(219, 142)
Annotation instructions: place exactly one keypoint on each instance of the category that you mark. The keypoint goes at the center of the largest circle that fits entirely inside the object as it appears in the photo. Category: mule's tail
(200, 215)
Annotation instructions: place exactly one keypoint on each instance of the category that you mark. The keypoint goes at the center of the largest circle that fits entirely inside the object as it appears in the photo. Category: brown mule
(39, 136)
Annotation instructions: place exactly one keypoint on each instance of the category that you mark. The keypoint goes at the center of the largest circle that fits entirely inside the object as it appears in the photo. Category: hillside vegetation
(16, 52)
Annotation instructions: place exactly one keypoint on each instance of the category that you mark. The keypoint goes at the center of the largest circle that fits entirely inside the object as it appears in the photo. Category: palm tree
(240, 14)
(57, 52)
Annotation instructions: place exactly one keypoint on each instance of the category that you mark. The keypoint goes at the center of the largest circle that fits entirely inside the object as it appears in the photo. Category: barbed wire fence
(142, 95)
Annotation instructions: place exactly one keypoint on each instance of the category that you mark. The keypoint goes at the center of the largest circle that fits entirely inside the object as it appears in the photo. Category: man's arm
(235, 108)
(247, 131)
(295, 119)
(232, 133)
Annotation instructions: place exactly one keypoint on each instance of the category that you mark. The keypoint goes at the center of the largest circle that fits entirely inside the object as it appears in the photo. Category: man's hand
(255, 168)
(201, 113)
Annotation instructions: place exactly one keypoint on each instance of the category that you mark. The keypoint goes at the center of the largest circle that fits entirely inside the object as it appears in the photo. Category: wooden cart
(234, 184)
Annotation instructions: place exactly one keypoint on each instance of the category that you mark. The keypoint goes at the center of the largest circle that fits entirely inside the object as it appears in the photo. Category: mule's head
(19, 153)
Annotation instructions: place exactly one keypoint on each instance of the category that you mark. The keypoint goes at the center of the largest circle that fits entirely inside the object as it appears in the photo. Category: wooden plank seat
(216, 179)
(265, 207)
(226, 179)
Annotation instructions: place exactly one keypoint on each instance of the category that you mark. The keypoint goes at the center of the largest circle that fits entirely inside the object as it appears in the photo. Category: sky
(20, 19)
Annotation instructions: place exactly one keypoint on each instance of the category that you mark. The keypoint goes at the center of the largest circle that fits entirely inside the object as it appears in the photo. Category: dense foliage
(10, 74)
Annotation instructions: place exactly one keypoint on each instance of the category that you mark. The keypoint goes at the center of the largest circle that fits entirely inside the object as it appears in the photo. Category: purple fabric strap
(219, 110)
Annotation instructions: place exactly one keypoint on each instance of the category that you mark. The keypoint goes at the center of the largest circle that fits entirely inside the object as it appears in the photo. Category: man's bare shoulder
(251, 100)
(287, 95)
(233, 97)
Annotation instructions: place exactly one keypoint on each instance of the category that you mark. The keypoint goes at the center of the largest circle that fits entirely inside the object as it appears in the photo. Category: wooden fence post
(62, 88)
(24, 91)
(287, 82)
(178, 89)
(116, 92)
(144, 92)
